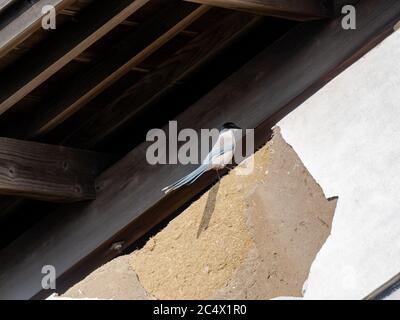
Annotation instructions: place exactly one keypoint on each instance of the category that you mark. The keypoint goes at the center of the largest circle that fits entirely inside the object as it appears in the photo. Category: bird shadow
(209, 209)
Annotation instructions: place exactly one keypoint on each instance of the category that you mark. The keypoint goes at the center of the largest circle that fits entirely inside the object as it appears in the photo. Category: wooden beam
(4, 4)
(300, 10)
(133, 49)
(129, 199)
(62, 47)
(386, 290)
(23, 25)
(47, 172)
(157, 83)
(337, 5)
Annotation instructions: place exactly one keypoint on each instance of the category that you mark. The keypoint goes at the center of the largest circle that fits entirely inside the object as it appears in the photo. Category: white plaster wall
(348, 136)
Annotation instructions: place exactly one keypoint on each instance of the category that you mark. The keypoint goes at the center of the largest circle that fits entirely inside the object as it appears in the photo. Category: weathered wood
(47, 172)
(160, 81)
(130, 52)
(65, 45)
(22, 26)
(4, 4)
(301, 10)
(129, 200)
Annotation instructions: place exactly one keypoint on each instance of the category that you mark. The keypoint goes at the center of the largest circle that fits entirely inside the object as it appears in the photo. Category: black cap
(230, 125)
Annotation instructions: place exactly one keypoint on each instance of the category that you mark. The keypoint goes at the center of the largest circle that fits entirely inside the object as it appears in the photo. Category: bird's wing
(216, 152)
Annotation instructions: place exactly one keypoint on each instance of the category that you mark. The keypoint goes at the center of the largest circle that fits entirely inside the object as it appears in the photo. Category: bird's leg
(219, 178)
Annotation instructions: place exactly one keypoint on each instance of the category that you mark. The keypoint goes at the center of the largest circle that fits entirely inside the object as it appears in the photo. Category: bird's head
(230, 125)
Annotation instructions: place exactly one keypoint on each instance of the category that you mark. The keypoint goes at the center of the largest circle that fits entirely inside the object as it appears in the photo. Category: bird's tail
(187, 180)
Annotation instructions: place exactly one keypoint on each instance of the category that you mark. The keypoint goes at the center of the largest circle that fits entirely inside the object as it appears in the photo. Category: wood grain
(23, 25)
(63, 47)
(131, 51)
(301, 10)
(47, 172)
(160, 81)
(130, 201)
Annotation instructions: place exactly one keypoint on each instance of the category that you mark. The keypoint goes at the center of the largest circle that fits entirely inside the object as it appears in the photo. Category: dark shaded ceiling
(251, 34)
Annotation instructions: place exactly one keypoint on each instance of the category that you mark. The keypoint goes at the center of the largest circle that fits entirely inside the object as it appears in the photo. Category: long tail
(187, 180)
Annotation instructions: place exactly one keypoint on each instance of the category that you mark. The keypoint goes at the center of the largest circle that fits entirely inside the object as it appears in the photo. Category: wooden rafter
(131, 51)
(22, 26)
(47, 172)
(63, 47)
(301, 10)
(160, 81)
(130, 201)
(4, 4)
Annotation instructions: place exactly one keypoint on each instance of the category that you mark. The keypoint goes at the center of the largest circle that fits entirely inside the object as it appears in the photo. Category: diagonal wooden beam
(121, 59)
(4, 4)
(62, 47)
(386, 290)
(47, 172)
(23, 25)
(129, 199)
(157, 83)
(301, 10)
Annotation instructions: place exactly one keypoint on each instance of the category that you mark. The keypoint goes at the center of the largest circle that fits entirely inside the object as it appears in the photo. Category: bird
(218, 158)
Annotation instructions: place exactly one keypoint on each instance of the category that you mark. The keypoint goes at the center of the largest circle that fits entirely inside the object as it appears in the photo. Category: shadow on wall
(248, 237)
